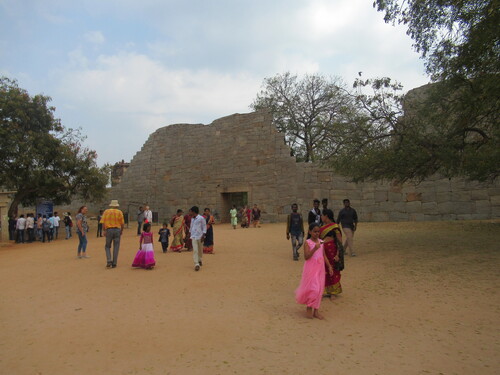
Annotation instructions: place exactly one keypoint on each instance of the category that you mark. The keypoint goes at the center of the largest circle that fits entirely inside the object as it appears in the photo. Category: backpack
(46, 226)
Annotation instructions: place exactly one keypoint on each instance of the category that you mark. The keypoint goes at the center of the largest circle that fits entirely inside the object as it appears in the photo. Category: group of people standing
(246, 216)
(323, 251)
(43, 228)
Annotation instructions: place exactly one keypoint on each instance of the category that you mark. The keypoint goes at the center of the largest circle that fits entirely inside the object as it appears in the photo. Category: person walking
(82, 228)
(99, 224)
(255, 216)
(295, 230)
(234, 216)
(332, 240)
(112, 224)
(198, 231)
(312, 283)
(163, 237)
(348, 219)
(177, 223)
(187, 235)
(208, 242)
(145, 257)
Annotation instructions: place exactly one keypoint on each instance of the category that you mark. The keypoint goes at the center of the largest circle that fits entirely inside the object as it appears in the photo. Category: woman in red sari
(328, 232)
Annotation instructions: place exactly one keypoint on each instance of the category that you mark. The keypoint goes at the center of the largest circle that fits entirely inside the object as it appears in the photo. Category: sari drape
(178, 231)
(208, 244)
(332, 283)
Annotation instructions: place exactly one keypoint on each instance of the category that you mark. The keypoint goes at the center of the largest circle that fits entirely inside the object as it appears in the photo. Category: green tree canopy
(39, 158)
(308, 111)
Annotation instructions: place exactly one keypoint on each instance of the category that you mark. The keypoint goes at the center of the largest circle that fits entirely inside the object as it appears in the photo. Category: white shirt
(21, 223)
(30, 222)
(198, 227)
(148, 215)
(56, 221)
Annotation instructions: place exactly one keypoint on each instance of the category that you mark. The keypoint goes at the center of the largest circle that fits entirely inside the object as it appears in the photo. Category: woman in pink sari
(312, 284)
(329, 233)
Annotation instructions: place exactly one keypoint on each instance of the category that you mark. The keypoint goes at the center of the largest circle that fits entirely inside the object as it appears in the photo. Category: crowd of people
(39, 228)
(324, 248)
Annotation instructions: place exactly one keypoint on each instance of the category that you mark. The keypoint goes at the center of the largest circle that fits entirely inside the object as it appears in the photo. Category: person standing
(112, 224)
(30, 227)
(315, 213)
(177, 223)
(52, 224)
(20, 227)
(68, 224)
(12, 228)
(99, 224)
(140, 220)
(57, 219)
(348, 219)
(255, 216)
(148, 215)
(295, 230)
(45, 229)
(234, 216)
(39, 230)
(82, 228)
(208, 242)
(198, 231)
(188, 244)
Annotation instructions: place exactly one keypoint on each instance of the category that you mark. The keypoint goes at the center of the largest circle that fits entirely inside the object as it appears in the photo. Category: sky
(120, 69)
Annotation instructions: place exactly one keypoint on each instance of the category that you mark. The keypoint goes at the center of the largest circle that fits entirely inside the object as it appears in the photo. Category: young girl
(312, 284)
(145, 257)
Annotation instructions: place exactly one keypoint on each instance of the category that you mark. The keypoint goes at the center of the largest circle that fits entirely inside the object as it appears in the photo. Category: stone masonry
(242, 158)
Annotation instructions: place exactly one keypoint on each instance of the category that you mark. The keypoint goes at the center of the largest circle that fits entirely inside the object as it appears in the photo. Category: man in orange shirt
(112, 224)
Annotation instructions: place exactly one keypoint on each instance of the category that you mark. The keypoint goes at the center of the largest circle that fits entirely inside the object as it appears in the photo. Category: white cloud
(94, 37)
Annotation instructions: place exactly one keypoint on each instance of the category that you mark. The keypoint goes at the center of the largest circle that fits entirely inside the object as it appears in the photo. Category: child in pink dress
(145, 257)
(312, 284)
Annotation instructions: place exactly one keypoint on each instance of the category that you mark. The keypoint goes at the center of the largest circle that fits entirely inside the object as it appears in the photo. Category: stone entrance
(239, 198)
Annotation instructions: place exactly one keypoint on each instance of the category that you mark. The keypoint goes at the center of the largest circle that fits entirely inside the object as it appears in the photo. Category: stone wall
(243, 155)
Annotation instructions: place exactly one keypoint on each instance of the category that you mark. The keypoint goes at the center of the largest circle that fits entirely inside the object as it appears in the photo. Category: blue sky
(122, 69)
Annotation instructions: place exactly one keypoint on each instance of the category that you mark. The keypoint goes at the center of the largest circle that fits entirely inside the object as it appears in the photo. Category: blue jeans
(82, 244)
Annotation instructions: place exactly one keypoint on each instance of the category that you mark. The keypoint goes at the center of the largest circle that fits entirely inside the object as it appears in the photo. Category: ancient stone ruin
(242, 159)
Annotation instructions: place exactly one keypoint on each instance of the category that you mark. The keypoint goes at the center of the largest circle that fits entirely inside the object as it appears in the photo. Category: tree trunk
(14, 205)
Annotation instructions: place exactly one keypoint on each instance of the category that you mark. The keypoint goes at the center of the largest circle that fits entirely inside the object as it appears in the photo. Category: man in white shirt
(148, 215)
(30, 226)
(56, 224)
(21, 226)
(198, 229)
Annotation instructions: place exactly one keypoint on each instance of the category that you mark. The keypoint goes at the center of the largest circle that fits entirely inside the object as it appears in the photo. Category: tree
(455, 37)
(413, 136)
(308, 111)
(39, 158)
(450, 127)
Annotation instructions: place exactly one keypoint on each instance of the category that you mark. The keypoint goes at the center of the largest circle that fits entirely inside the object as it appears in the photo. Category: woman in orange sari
(329, 232)
(177, 224)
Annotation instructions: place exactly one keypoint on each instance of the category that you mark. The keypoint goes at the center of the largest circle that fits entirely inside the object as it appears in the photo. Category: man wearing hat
(112, 224)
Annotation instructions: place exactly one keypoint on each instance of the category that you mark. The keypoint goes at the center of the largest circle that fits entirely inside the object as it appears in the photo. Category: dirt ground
(420, 298)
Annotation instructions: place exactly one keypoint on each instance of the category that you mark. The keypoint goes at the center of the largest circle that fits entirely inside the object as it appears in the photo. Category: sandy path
(422, 298)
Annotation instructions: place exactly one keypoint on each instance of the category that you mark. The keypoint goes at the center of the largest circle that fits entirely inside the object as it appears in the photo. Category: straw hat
(114, 203)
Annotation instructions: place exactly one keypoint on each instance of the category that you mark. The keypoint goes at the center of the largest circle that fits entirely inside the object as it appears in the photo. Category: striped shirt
(112, 218)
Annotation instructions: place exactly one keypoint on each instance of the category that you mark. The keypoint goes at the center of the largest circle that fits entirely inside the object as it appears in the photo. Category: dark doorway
(239, 199)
